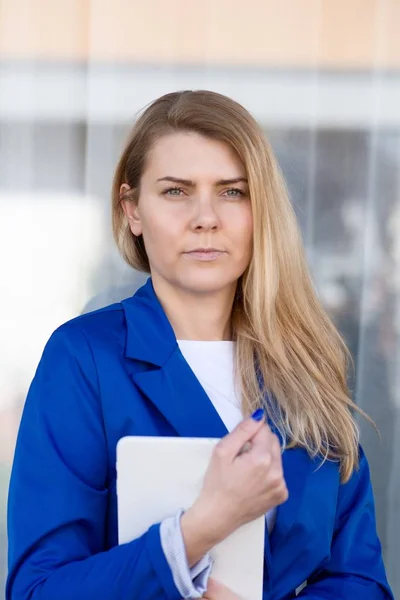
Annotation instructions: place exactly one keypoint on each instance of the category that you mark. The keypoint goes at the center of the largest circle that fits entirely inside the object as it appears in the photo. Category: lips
(205, 254)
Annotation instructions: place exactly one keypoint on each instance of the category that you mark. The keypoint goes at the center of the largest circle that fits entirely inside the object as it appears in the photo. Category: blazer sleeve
(58, 496)
(355, 568)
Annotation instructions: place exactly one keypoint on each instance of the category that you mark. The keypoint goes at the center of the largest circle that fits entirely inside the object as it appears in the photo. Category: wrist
(203, 527)
(198, 533)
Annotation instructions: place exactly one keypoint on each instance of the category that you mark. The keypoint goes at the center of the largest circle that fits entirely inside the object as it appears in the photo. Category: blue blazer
(117, 372)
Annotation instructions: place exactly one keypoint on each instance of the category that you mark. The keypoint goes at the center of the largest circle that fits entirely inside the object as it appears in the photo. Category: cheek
(160, 232)
(245, 230)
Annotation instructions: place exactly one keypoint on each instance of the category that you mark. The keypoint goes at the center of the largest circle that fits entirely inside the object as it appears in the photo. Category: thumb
(232, 444)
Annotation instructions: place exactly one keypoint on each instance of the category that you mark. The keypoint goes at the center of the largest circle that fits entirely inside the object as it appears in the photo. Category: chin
(208, 283)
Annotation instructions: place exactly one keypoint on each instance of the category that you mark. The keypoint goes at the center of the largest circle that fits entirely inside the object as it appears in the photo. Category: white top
(213, 364)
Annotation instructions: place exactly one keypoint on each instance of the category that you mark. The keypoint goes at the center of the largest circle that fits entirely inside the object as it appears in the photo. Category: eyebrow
(190, 183)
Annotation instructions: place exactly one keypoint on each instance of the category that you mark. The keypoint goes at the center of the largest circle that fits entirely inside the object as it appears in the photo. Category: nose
(205, 214)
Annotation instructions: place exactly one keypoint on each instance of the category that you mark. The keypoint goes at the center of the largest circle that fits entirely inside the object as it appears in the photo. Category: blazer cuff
(191, 582)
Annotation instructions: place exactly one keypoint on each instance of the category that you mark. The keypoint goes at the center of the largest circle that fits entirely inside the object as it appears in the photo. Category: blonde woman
(226, 339)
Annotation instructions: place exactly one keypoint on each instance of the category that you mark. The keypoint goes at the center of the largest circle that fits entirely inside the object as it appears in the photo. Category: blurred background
(323, 79)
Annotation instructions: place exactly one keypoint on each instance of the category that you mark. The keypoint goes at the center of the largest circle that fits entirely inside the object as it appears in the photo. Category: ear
(131, 210)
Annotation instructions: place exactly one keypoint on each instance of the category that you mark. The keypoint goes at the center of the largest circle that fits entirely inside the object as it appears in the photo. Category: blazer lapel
(178, 395)
(159, 370)
(297, 467)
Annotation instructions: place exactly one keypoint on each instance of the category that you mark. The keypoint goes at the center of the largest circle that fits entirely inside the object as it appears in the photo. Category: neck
(203, 317)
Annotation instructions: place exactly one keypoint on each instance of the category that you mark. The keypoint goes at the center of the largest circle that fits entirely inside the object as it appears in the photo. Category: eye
(235, 193)
(172, 191)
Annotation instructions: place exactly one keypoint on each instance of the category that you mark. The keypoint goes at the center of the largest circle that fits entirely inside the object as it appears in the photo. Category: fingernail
(258, 415)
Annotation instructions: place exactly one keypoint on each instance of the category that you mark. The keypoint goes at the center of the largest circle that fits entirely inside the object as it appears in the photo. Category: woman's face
(194, 213)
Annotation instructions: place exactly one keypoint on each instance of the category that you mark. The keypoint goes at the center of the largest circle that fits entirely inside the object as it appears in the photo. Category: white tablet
(156, 477)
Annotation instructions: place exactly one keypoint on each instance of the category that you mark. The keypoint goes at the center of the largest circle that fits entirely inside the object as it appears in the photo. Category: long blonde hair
(287, 347)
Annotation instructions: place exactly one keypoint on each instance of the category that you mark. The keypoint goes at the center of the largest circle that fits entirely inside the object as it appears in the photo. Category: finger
(265, 441)
(231, 444)
(265, 450)
(276, 446)
(262, 441)
(212, 586)
(220, 591)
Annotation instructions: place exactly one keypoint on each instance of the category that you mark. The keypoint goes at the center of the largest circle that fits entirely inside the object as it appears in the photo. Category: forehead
(188, 153)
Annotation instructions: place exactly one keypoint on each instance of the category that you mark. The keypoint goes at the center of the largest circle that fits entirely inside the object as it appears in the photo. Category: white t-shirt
(213, 365)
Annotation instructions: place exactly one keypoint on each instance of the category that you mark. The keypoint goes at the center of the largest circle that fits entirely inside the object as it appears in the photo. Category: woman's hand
(217, 591)
(238, 487)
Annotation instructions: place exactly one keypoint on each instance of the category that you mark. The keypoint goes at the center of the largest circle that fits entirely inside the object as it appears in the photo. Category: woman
(227, 326)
